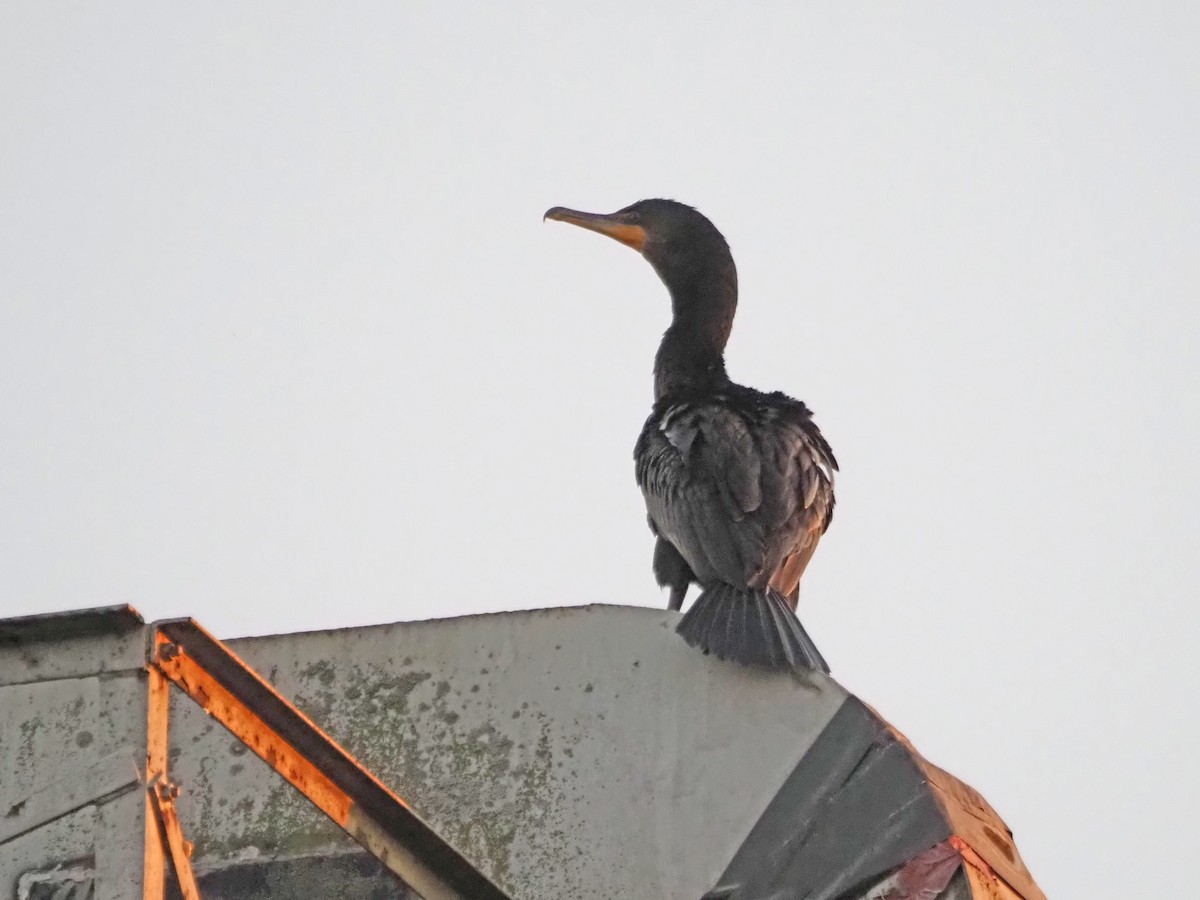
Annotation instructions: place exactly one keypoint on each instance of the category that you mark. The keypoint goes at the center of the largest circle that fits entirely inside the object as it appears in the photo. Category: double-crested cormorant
(738, 484)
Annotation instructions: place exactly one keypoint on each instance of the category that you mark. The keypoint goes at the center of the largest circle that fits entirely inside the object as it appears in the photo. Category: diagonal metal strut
(316, 765)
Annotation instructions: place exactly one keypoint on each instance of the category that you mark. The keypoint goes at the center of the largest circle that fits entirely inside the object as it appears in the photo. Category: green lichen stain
(325, 688)
(279, 820)
(484, 777)
(25, 755)
(236, 802)
(477, 785)
(444, 752)
(322, 670)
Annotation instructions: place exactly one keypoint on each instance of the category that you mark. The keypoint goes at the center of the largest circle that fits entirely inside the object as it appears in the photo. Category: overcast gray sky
(284, 343)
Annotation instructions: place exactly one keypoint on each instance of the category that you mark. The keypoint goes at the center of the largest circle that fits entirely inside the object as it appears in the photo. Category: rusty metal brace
(163, 796)
(163, 833)
(203, 668)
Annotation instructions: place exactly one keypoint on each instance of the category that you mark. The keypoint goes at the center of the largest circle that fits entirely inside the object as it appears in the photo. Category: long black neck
(691, 356)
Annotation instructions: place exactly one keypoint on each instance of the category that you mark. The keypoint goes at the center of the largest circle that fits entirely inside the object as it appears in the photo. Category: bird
(738, 483)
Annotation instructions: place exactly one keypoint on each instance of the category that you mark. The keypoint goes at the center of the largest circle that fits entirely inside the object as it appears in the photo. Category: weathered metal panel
(65, 738)
(581, 752)
(46, 730)
(62, 842)
(119, 843)
(71, 789)
(855, 808)
(49, 869)
(862, 806)
(108, 639)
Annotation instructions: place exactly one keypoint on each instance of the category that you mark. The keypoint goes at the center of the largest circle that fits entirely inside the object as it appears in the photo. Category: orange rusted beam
(157, 740)
(181, 851)
(316, 765)
(218, 702)
(985, 883)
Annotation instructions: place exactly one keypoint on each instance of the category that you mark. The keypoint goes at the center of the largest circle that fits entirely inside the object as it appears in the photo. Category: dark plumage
(738, 483)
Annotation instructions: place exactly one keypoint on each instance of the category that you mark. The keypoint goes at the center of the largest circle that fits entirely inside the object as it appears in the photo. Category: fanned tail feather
(755, 627)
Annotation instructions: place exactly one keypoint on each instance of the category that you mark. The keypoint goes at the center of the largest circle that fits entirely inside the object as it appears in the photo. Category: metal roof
(860, 806)
(577, 752)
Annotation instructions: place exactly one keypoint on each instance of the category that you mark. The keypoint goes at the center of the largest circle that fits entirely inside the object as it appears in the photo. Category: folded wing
(742, 487)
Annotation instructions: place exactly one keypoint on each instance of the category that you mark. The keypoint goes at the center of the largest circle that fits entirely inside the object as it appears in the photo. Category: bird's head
(682, 245)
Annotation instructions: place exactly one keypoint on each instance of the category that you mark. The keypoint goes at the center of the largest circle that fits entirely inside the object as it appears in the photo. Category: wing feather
(741, 487)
